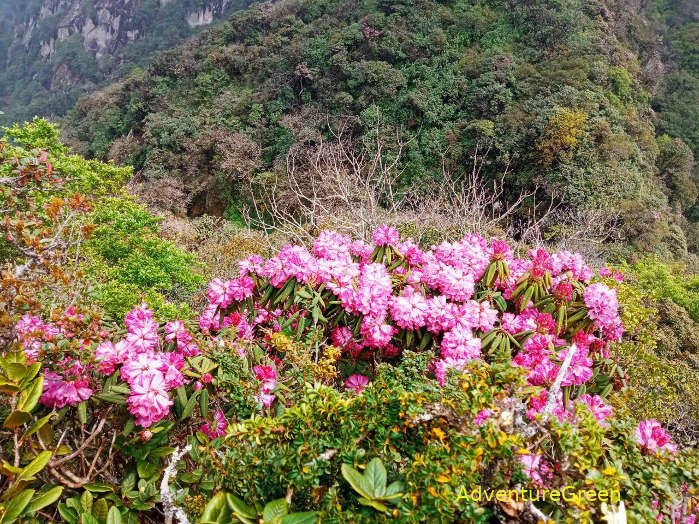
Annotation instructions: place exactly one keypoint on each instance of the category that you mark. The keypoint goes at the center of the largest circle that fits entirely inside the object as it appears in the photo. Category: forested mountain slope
(52, 51)
(552, 95)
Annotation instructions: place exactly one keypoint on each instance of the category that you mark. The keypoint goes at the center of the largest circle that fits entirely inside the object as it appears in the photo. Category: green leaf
(35, 466)
(356, 480)
(147, 470)
(189, 407)
(36, 426)
(16, 506)
(86, 502)
(216, 509)
(128, 427)
(16, 371)
(182, 395)
(32, 372)
(240, 508)
(7, 388)
(375, 475)
(46, 498)
(68, 514)
(275, 510)
(113, 517)
(87, 518)
(204, 403)
(111, 397)
(99, 487)
(373, 503)
(394, 488)
(30, 396)
(307, 517)
(16, 419)
(100, 509)
(162, 451)
(82, 412)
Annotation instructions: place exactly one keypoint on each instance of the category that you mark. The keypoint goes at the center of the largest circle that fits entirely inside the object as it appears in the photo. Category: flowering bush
(461, 365)
(419, 355)
(467, 299)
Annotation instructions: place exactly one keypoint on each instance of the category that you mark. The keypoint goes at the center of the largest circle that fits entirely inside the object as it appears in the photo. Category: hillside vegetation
(554, 97)
(361, 262)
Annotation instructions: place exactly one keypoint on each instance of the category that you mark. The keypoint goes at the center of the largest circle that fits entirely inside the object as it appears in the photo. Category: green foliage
(546, 79)
(130, 263)
(223, 506)
(372, 485)
(662, 280)
(97, 504)
(662, 382)
(21, 386)
(90, 177)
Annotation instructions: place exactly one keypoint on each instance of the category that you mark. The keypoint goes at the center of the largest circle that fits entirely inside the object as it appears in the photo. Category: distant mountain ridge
(52, 51)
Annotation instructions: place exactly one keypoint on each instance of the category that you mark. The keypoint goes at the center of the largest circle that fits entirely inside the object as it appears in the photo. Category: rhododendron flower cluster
(268, 376)
(465, 300)
(651, 436)
(149, 372)
(356, 383)
(67, 389)
(375, 301)
(218, 428)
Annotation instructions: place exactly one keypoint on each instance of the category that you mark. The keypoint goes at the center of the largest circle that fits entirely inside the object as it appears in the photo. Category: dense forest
(556, 98)
(349, 261)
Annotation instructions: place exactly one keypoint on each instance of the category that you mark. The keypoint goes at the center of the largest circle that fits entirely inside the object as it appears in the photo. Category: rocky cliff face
(103, 27)
(54, 50)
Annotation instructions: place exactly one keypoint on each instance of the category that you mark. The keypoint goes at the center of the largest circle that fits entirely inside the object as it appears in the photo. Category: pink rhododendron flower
(411, 252)
(341, 336)
(241, 288)
(148, 400)
(602, 305)
(376, 333)
(482, 416)
(580, 370)
(331, 245)
(141, 366)
(541, 262)
(110, 355)
(252, 264)
(267, 375)
(356, 383)
(409, 310)
(500, 250)
(599, 409)
(265, 399)
(219, 293)
(534, 467)
(174, 330)
(219, 426)
(144, 336)
(385, 236)
(138, 317)
(59, 392)
(543, 373)
(457, 284)
(651, 436)
(459, 343)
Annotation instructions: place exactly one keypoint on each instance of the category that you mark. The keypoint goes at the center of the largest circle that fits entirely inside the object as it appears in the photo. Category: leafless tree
(335, 184)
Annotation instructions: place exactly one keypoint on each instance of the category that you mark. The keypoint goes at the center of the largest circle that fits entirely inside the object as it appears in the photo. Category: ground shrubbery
(344, 382)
